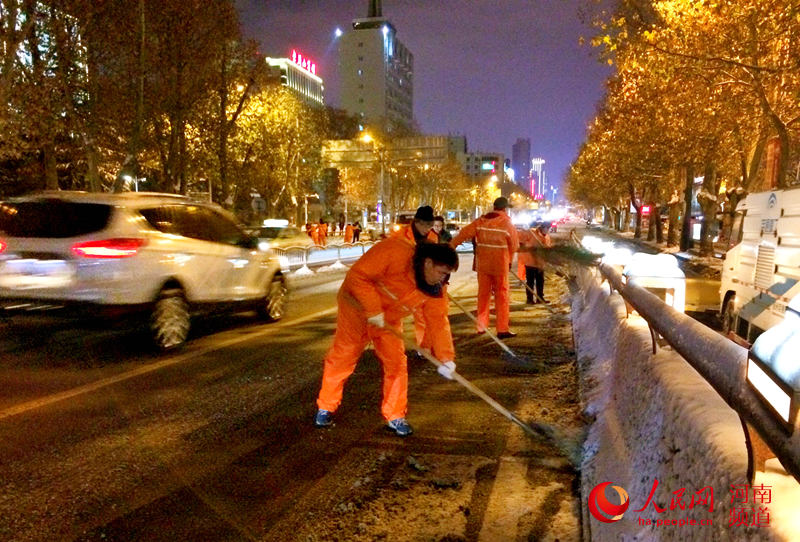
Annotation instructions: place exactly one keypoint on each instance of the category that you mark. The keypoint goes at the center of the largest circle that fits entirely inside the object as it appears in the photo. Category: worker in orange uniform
(322, 229)
(348, 234)
(496, 242)
(531, 242)
(313, 232)
(421, 230)
(392, 279)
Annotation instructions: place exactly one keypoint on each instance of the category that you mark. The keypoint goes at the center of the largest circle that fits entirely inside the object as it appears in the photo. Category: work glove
(377, 320)
(446, 369)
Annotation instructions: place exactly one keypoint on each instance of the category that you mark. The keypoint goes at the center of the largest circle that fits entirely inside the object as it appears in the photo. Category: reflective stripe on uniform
(483, 228)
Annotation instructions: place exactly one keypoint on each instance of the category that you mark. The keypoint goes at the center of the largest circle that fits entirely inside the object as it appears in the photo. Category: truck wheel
(274, 303)
(170, 319)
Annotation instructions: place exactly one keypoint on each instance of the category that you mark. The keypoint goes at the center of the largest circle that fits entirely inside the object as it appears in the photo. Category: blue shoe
(400, 426)
(324, 418)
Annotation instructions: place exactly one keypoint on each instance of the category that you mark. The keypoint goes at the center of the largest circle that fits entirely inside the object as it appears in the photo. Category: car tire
(274, 303)
(170, 320)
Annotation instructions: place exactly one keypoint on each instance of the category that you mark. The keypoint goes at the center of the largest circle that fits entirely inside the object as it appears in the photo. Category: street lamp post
(379, 152)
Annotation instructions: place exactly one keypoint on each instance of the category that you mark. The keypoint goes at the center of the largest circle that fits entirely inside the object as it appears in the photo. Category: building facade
(480, 165)
(521, 162)
(538, 178)
(377, 73)
(299, 75)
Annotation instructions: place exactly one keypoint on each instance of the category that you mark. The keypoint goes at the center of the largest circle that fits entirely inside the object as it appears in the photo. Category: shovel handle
(494, 337)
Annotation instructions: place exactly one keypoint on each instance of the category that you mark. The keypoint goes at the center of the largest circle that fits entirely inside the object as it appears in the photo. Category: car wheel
(169, 322)
(274, 303)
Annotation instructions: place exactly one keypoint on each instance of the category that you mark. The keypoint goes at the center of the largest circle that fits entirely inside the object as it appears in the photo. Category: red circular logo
(602, 509)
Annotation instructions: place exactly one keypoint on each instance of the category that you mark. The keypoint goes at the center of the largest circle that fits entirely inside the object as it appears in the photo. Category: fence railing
(302, 258)
(720, 361)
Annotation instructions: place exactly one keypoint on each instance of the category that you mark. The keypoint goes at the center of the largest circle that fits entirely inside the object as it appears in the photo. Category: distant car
(162, 256)
(403, 218)
(280, 236)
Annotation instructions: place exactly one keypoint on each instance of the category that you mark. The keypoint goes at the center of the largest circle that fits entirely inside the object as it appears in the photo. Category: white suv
(106, 254)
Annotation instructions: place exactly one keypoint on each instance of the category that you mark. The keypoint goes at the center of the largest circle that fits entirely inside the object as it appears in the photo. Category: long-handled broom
(568, 444)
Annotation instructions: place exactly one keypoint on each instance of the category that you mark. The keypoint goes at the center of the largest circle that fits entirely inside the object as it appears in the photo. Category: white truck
(761, 272)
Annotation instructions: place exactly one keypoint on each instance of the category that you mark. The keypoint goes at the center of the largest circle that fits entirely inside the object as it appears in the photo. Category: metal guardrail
(720, 361)
(301, 257)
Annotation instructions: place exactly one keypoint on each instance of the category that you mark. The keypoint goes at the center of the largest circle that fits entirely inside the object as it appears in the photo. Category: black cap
(424, 214)
(500, 203)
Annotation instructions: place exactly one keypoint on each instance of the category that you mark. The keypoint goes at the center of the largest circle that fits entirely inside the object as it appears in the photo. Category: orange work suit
(323, 234)
(387, 266)
(533, 239)
(496, 242)
(440, 305)
(348, 233)
(521, 235)
(315, 234)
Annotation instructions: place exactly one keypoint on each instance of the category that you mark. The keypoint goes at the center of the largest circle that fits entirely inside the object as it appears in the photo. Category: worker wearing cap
(421, 231)
(395, 277)
(496, 242)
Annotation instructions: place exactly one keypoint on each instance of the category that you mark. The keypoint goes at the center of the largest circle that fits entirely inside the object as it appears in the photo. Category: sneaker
(506, 334)
(324, 418)
(400, 426)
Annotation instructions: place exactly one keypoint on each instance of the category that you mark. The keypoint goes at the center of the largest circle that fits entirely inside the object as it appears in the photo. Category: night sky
(492, 70)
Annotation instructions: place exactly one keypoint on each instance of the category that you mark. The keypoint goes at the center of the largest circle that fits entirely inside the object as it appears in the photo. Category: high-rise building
(538, 178)
(377, 73)
(299, 75)
(521, 162)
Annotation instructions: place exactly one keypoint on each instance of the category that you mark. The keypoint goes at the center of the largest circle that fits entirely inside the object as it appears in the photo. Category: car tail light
(120, 247)
(2, 247)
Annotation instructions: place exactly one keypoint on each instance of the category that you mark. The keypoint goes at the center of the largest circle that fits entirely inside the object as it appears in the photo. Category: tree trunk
(49, 166)
(130, 165)
(686, 226)
(708, 203)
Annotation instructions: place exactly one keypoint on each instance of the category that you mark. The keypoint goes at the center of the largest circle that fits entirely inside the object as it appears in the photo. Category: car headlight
(263, 246)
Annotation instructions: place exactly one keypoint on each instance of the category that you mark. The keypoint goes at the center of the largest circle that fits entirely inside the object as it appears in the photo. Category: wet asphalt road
(100, 439)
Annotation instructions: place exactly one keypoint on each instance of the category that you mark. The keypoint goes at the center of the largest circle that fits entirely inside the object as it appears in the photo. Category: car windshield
(270, 232)
(52, 218)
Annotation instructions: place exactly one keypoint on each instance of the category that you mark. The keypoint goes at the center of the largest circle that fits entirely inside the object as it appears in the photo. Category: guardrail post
(338, 264)
(304, 270)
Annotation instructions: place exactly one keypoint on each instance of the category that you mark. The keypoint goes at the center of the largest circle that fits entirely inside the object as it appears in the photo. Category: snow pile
(656, 418)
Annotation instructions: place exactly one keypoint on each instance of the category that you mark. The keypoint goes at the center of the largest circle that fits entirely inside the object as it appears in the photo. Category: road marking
(174, 360)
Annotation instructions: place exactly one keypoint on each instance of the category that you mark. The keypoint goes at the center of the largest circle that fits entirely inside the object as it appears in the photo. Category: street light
(366, 138)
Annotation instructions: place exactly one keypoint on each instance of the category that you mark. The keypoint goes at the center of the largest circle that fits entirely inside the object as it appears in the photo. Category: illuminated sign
(303, 62)
(487, 166)
(645, 209)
